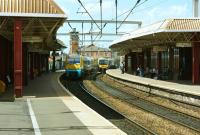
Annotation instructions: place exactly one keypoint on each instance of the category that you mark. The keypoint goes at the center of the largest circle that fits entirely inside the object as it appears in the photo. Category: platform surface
(179, 86)
(48, 109)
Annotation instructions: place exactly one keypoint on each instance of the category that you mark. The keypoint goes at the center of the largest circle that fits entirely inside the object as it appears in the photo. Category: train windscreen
(103, 62)
(87, 62)
(74, 60)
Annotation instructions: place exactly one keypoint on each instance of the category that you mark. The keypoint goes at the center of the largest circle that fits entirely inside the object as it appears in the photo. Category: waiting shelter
(170, 47)
(27, 35)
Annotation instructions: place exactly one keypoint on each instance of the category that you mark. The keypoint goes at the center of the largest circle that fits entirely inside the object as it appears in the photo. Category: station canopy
(40, 21)
(169, 32)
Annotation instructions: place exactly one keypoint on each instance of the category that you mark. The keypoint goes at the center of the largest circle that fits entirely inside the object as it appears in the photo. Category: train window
(70, 61)
(103, 62)
(87, 62)
(74, 61)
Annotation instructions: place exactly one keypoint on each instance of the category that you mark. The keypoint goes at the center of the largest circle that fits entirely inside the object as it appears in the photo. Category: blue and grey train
(77, 66)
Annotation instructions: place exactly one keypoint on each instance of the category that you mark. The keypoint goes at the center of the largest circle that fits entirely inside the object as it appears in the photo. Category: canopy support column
(159, 62)
(31, 65)
(54, 61)
(47, 62)
(195, 63)
(171, 62)
(18, 86)
(39, 64)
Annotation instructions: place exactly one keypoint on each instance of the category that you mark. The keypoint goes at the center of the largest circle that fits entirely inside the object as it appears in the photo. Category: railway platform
(180, 90)
(47, 108)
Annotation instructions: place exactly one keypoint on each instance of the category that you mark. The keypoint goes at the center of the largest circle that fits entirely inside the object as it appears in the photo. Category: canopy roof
(40, 21)
(60, 45)
(29, 6)
(166, 32)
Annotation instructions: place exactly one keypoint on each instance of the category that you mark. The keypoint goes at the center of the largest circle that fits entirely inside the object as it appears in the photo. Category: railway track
(183, 119)
(128, 126)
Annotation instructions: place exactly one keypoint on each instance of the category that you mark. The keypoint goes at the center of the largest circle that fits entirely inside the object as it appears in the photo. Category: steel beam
(92, 33)
(43, 26)
(103, 21)
(96, 41)
(3, 23)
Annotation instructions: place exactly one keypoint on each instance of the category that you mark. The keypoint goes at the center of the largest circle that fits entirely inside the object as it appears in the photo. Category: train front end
(74, 68)
(103, 64)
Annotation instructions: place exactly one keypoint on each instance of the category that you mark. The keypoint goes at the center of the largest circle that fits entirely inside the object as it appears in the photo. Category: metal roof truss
(157, 39)
(34, 30)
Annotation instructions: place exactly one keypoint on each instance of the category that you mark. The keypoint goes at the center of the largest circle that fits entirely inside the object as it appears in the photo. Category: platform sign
(184, 44)
(159, 48)
(137, 50)
(32, 39)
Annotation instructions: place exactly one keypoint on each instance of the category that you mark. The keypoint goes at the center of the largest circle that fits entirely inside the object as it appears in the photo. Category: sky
(147, 11)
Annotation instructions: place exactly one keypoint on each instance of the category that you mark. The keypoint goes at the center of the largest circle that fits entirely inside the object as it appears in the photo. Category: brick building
(95, 51)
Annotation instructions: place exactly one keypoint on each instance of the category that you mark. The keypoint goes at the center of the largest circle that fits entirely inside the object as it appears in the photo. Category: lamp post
(195, 8)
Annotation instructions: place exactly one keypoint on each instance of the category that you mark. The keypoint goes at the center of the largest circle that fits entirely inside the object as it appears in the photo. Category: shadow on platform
(8, 95)
(45, 85)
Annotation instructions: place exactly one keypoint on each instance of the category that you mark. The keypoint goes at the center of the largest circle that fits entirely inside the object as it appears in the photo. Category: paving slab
(15, 118)
(47, 108)
(173, 86)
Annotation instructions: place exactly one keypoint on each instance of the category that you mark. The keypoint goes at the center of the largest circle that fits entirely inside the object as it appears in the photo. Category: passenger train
(77, 66)
(88, 65)
(103, 64)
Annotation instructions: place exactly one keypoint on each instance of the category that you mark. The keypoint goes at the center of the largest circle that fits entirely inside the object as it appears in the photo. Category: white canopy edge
(158, 27)
(41, 15)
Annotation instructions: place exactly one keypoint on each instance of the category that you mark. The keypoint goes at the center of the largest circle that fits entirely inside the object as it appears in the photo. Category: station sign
(32, 39)
(159, 48)
(32, 48)
(184, 44)
(137, 50)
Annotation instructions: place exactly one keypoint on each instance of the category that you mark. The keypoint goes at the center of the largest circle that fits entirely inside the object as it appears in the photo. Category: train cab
(74, 66)
(103, 64)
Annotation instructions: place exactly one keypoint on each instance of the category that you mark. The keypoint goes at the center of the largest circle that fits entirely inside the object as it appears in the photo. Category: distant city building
(95, 52)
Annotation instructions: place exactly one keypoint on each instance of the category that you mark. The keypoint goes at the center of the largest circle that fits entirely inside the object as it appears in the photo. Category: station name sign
(137, 50)
(159, 48)
(184, 44)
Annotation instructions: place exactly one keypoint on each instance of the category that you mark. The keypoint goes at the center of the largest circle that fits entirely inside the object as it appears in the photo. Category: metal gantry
(91, 33)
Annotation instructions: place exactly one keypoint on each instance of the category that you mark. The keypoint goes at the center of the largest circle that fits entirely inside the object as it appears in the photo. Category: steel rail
(145, 130)
(133, 97)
